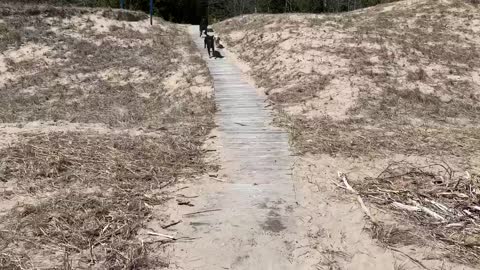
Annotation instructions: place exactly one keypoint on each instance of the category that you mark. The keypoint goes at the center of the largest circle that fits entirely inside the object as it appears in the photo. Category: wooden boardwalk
(254, 226)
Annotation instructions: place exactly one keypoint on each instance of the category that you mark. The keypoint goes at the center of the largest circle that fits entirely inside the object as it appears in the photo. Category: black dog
(217, 54)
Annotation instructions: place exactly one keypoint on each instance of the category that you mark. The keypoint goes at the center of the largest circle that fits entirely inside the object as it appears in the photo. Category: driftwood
(417, 207)
(434, 200)
(359, 198)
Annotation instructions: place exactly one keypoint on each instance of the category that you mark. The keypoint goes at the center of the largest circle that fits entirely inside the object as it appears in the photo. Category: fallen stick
(171, 224)
(405, 207)
(475, 207)
(201, 212)
(417, 208)
(161, 235)
(359, 198)
(453, 225)
(440, 206)
(457, 194)
(428, 211)
(419, 263)
(163, 241)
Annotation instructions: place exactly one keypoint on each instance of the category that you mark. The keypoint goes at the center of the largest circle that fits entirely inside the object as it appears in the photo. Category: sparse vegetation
(401, 80)
(8, 37)
(110, 134)
(442, 204)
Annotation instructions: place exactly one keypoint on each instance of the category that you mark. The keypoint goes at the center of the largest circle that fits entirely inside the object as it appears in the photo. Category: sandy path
(252, 225)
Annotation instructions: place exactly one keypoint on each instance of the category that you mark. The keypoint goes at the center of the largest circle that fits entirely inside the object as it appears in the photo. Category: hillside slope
(411, 63)
(389, 94)
(99, 112)
(428, 47)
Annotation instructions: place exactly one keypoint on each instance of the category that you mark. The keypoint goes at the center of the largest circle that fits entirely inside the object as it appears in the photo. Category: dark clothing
(203, 26)
(209, 44)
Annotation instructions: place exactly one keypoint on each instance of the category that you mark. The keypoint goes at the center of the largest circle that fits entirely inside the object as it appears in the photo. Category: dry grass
(396, 65)
(406, 86)
(54, 161)
(441, 205)
(72, 89)
(400, 79)
(357, 138)
(76, 198)
(8, 37)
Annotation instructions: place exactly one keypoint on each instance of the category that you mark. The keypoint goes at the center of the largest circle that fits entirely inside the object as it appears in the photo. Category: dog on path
(217, 54)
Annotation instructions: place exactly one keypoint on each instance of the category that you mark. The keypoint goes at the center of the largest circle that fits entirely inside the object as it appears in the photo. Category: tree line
(221, 9)
(191, 11)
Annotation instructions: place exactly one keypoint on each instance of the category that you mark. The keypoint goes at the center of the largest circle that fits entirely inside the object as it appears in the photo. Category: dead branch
(419, 263)
(343, 177)
(171, 224)
(201, 212)
(161, 235)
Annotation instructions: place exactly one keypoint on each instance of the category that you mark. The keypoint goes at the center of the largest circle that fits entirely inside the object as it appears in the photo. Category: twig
(428, 211)
(388, 167)
(187, 197)
(359, 198)
(418, 207)
(457, 194)
(405, 207)
(440, 206)
(171, 224)
(453, 225)
(200, 212)
(337, 185)
(162, 235)
(419, 263)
